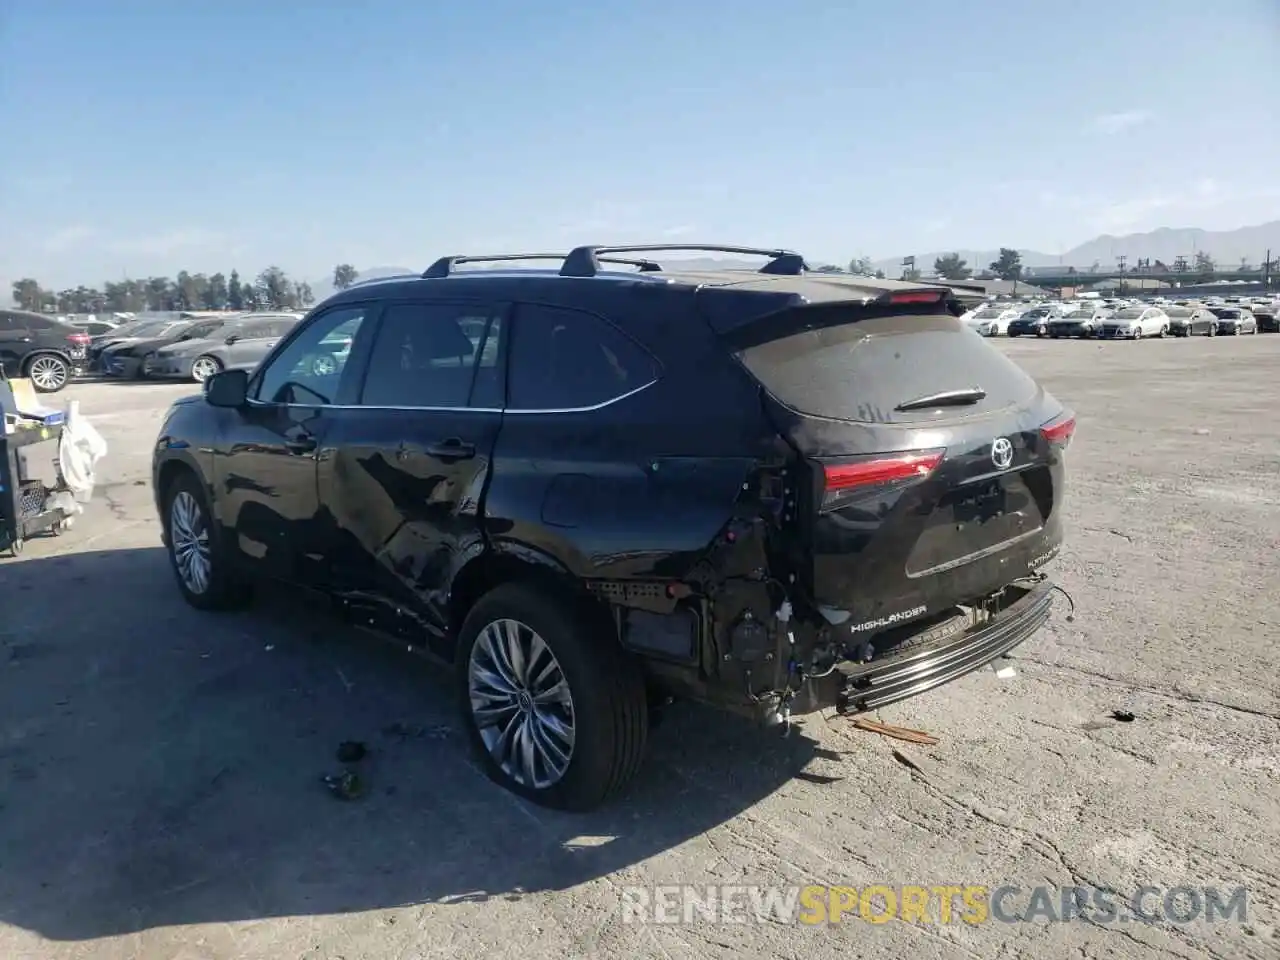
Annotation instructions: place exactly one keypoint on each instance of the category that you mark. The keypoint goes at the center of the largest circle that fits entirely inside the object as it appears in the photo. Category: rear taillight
(1060, 430)
(78, 339)
(917, 296)
(875, 471)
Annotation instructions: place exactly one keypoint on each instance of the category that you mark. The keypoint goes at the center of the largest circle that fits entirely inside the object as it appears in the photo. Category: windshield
(1129, 313)
(988, 313)
(144, 329)
(1227, 314)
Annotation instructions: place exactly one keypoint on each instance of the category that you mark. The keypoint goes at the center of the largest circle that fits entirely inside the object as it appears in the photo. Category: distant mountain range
(1227, 247)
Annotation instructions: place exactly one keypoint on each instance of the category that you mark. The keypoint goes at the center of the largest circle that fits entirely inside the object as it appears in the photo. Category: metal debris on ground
(345, 786)
(896, 733)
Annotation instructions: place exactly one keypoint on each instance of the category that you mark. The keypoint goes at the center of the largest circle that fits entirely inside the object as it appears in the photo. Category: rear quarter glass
(860, 371)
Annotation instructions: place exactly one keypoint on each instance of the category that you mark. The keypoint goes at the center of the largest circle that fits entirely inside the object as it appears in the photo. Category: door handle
(451, 449)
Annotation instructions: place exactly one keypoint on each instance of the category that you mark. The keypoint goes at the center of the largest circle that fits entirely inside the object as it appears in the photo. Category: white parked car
(1134, 323)
(992, 319)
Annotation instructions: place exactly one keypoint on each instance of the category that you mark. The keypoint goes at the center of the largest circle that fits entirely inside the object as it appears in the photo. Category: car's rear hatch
(928, 465)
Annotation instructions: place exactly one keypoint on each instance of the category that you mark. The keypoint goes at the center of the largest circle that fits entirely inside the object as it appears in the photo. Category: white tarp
(81, 449)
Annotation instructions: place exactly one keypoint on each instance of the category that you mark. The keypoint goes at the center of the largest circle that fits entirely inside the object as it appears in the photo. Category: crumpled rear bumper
(869, 686)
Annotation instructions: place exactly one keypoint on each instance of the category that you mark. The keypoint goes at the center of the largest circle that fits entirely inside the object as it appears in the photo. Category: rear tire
(191, 538)
(48, 372)
(584, 736)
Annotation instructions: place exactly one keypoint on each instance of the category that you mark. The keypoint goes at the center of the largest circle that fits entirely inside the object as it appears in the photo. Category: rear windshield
(861, 371)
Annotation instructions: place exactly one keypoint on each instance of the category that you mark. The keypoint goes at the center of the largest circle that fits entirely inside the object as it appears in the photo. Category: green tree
(1007, 266)
(275, 291)
(302, 295)
(188, 292)
(951, 267)
(912, 274)
(215, 293)
(27, 294)
(861, 266)
(235, 291)
(160, 294)
(879, 274)
(1205, 267)
(344, 275)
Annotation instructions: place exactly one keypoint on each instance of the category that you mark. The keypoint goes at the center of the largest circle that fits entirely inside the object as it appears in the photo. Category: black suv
(46, 350)
(594, 489)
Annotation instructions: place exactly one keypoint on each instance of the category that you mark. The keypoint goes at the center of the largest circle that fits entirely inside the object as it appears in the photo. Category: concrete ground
(160, 791)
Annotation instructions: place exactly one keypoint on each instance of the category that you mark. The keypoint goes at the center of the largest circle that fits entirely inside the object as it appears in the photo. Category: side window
(256, 331)
(8, 322)
(566, 360)
(425, 355)
(309, 370)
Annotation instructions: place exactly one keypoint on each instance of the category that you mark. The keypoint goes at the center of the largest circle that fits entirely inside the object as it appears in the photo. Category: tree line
(1008, 266)
(272, 289)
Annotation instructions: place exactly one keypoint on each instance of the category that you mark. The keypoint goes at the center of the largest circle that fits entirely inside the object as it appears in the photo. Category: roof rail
(585, 261)
(445, 265)
(394, 276)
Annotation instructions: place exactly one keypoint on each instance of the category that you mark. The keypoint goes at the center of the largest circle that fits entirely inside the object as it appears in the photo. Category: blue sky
(144, 137)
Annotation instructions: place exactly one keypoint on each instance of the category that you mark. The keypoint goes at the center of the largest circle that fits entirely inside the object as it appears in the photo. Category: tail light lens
(917, 296)
(884, 470)
(78, 339)
(1060, 430)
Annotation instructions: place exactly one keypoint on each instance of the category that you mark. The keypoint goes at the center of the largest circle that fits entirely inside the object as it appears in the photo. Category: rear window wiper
(947, 398)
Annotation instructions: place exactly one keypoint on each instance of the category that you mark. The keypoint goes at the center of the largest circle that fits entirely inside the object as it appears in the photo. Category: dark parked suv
(46, 350)
(594, 489)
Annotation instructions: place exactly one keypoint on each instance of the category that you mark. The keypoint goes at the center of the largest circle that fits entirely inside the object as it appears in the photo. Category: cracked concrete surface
(159, 768)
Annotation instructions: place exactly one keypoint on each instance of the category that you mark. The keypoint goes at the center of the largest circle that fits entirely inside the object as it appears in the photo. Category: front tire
(555, 709)
(203, 367)
(200, 566)
(48, 373)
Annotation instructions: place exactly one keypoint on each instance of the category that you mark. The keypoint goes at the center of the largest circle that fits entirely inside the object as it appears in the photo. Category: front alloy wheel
(521, 704)
(189, 543)
(202, 368)
(49, 374)
(200, 568)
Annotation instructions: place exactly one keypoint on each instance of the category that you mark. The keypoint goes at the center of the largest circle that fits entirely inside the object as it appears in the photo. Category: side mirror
(230, 340)
(230, 388)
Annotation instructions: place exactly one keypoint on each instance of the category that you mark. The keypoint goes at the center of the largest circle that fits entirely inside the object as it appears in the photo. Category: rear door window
(569, 360)
(427, 355)
(861, 371)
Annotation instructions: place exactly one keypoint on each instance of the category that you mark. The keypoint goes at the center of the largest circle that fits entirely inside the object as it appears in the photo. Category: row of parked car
(187, 348)
(1126, 319)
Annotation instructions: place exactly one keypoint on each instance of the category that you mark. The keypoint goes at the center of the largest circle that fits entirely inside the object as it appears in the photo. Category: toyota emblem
(1002, 453)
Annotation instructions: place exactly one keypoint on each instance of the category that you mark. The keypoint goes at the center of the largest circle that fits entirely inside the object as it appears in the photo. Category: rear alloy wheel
(48, 373)
(555, 709)
(1164, 332)
(200, 567)
(204, 367)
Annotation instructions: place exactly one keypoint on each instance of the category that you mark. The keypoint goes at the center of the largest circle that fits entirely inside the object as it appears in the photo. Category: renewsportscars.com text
(933, 904)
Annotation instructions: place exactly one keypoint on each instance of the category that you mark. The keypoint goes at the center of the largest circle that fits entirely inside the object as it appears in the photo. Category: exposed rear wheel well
(170, 472)
(493, 569)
